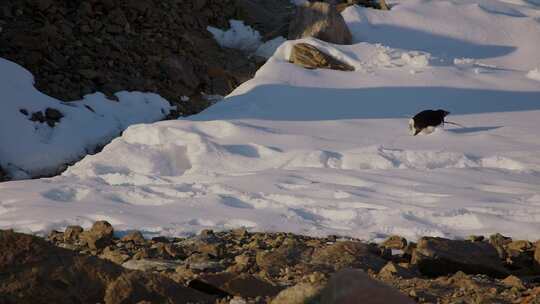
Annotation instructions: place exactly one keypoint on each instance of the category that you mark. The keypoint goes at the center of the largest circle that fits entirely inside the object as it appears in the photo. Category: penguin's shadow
(472, 129)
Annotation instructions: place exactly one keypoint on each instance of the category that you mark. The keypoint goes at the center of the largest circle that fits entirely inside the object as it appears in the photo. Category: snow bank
(29, 148)
(534, 74)
(327, 152)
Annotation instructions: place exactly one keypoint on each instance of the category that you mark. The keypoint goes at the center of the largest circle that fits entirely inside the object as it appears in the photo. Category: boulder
(243, 285)
(310, 57)
(298, 294)
(395, 242)
(99, 236)
(35, 271)
(436, 256)
(537, 254)
(348, 254)
(135, 237)
(320, 20)
(72, 233)
(352, 286)
(392, 269)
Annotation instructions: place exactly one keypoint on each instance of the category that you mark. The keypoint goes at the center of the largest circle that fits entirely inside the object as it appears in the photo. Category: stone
(352, 286)
(244, 285)
(395, 242)
(320, 20)
(135, 237)
(513, 281)
(348, 254)
(152, 264)
(273, 261)
(114, 255)
(309, 57)
(298, 294)
(436, 256)
(99, 236)
(499, 241)
(134, 287)
(35, 271)
(392, 269)
(72, 233)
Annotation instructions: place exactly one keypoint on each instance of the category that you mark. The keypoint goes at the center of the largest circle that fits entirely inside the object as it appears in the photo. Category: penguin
(426, 121)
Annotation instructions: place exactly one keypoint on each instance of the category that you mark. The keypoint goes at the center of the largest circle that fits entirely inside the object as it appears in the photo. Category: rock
(243, 285)
(537, 254)
(35, 271)
(499, 241)
(298, 294)
(134, 287)
(309, 57)
(114, 255)
(352, 286)
(152, 264)
(99, 236)
(438, 256)
(287, 254)
(72, 233)
(513, 281)
(135, 237)
(395, 242)
(348, 254)
(519, 246)
(53, 114)
(392, 269)
(320, 20)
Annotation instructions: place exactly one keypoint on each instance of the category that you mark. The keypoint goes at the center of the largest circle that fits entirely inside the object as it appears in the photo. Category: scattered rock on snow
(320, 20)
(309, 57)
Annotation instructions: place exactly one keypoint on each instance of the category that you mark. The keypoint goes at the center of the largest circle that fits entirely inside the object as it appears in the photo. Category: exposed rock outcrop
(76, 48)
(320, 20)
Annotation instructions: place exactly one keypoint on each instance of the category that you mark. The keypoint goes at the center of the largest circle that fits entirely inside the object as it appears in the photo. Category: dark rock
(322, 21)
(354, 286)
(437, 256)
(53, 114)
(24, 112)
(243, 285)
(309, 57)
(38, 116)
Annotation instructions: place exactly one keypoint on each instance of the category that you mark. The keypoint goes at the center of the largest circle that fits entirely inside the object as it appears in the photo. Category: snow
(239, 36)
(30, 148)
(534, 74)
(328, 152)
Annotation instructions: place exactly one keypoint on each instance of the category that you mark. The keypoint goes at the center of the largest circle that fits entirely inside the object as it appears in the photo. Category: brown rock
(513, 281)
(395, 242)
(322, 21)
(135, 237)
(99, 236)
(72, 233)
(348, 254)
(298, 294)
(309, 57)
(392, 269)
(34, 271)
(437, 256)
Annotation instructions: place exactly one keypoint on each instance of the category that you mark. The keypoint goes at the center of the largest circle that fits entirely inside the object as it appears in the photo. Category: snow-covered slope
(328, 152)
(30, 148)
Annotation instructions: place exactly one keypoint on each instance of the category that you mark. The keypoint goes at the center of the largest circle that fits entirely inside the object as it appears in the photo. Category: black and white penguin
(426, 121)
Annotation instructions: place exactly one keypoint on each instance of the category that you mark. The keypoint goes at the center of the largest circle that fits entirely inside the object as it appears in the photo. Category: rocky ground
(77, 48)
(239, 266)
